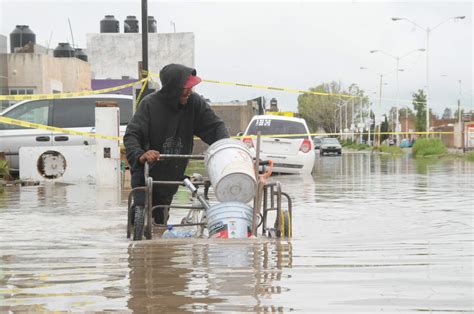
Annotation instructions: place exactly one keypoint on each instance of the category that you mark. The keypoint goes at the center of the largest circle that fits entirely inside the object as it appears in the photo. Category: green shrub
(356, 146)
(4, 170)
(346, 142)
(429, 147)
(470, 156)
(392, 150)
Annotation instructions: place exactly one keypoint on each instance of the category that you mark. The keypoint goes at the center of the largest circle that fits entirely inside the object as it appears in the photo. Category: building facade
(114, 55)
(39, 72)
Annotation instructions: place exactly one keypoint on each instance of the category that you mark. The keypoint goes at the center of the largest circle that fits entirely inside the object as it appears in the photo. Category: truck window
(80, 112)
(74, 112)
(36, 111)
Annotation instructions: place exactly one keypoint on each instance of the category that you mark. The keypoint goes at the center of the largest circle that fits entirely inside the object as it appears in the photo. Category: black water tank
(64, 50)
(151, 24)
(80, 54)
(109, 25)
(130, 25)
(20, 36)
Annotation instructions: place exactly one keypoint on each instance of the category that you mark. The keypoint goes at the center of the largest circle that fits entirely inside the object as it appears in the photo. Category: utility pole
(144, 38)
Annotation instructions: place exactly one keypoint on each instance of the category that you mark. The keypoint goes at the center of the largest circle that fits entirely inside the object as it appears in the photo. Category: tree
(419, 104)
(319, 110)
(322, 111)
(447, 113)
(456, 113)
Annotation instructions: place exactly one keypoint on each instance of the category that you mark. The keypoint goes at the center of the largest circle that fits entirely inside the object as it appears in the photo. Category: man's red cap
(192, 81)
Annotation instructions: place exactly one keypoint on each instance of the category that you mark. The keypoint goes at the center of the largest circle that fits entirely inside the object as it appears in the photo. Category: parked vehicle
(77, 113)
(406, 142)
(285, 140)
(317, 142)
(330, 145)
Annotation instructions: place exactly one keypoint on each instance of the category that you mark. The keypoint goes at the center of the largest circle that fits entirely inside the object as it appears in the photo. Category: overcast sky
(293, 44)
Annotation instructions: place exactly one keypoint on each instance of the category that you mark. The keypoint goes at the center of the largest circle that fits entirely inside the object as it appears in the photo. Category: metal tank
(151, 24)
(130, 25)
(21, 36)
(80, 54)
(64, 50)
(109, 25)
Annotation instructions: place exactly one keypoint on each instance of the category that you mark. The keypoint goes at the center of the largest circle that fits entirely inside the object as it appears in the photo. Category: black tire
(322, 153)
(139, 223)
(285, 231)
(131, 213)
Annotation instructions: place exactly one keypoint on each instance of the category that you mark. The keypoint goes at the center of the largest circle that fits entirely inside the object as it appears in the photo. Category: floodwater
(371, 234)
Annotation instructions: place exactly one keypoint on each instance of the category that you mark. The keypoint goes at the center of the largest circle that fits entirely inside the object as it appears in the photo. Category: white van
(76, 113)
(285, 140)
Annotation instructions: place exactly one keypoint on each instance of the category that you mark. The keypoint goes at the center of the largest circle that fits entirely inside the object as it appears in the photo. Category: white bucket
(231, 171)
(230, 220)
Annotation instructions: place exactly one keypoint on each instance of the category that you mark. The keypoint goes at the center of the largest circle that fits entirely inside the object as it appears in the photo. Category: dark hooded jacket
(161, 123)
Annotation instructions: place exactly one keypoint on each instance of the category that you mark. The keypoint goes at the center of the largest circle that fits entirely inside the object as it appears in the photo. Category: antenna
(50, 37)
(72, 36)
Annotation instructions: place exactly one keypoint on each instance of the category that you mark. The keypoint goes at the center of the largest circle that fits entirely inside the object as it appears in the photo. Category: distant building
(114, 55)
(38, 72)
(3, 70)
(98, 84)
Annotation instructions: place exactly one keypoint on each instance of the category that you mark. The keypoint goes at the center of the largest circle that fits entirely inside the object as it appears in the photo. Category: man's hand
(150, 156)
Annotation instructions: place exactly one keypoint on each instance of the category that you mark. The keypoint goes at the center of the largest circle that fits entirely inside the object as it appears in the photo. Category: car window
(330, 140)
(34, 111)
(317, 140)
(80, 112)
(277, 127)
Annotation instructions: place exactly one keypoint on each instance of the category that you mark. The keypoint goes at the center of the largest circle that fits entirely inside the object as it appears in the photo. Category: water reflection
(371, 233)
(230, 275)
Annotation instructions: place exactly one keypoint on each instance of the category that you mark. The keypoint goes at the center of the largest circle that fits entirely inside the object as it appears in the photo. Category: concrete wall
(115, 55)
(3, 70)
(236, 117)
(45, 73)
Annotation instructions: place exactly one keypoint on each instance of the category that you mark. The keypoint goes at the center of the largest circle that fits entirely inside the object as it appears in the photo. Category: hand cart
(269, 197)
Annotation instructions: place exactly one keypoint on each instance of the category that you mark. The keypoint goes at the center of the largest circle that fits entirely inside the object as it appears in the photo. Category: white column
(107, 121)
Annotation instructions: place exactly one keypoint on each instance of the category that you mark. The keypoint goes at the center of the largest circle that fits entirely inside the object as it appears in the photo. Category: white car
(284, 140)
(76, 113)
(330, 145)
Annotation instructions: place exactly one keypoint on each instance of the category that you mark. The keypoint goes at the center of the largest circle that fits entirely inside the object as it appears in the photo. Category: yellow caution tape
(338, 134)
(55, 129)
(69, 95)
(109, 137)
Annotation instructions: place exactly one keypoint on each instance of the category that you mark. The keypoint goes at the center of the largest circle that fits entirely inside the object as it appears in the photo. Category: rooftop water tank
(109, 25)
(130, 25)
(21, 36)
(80, 54)
(64, 50)
(151, 24)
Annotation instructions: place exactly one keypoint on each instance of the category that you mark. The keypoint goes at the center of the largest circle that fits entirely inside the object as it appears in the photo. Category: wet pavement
(371, 233)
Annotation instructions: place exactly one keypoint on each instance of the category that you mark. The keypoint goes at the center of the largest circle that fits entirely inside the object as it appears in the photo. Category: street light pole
(377, 127)
(397, 59)
(428, 30)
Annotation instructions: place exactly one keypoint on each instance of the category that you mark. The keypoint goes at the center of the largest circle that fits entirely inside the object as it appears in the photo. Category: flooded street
(371, 233)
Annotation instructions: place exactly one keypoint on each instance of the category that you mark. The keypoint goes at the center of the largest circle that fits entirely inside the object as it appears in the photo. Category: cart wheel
(139, 223)
(285, 220)
(131, 213)
(148, 229)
